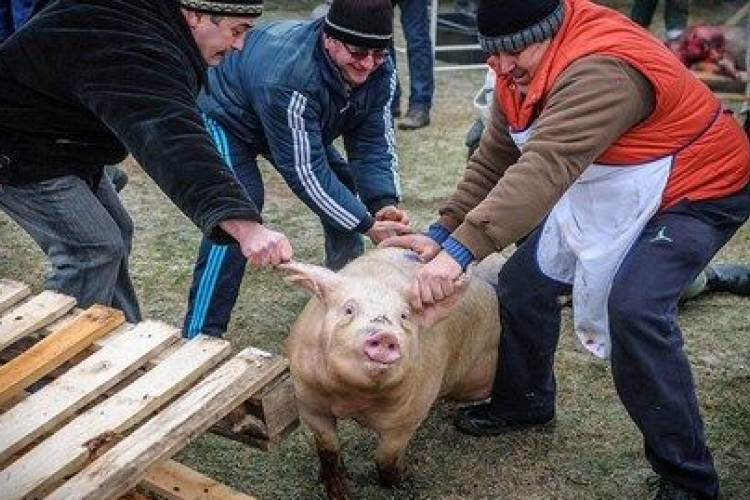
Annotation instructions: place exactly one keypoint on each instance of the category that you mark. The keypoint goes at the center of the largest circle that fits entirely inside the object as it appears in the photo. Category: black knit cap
(244, 8)
(513, 25)
(364, 23)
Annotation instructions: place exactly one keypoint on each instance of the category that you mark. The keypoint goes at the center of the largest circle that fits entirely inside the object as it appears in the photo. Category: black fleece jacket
(84, 82)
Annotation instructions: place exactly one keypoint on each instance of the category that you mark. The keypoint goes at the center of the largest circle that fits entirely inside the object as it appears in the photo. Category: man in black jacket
(86, 82)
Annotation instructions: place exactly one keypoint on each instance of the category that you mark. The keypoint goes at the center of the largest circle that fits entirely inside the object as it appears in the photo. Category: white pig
(358, 351)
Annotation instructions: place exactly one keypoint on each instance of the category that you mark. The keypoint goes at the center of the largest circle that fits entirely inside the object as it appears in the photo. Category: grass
(594, 452)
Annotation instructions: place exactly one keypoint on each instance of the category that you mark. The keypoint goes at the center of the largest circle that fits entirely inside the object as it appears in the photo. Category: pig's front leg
(390, 455)
(332, 470)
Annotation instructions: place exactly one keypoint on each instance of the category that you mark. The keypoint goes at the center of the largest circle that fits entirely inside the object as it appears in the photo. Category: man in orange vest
(629, 176)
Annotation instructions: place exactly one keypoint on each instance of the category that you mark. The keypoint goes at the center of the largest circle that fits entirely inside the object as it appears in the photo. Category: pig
(359, 351)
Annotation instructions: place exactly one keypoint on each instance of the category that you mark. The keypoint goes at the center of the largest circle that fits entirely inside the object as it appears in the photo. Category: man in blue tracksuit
(294, 88)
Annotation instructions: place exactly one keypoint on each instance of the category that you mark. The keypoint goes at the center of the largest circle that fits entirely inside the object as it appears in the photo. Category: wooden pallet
(722, 84)
(91, 406)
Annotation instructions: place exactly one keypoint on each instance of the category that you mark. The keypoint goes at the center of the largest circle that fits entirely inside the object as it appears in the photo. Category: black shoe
(732, 278)
(117, 175)
(414, 119)
(480, 420)
(667, 490)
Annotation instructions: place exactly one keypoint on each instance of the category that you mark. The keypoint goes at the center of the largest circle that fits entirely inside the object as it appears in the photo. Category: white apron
(588, 232)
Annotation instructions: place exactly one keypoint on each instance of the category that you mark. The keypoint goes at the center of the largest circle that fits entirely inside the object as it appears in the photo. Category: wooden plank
(123, 466)
(731, 97)
(11, 292)
(32, 315)
(173, 481)
(45, 409)
(54, 350)
(264, 419)
(68, 449)
(720, 83)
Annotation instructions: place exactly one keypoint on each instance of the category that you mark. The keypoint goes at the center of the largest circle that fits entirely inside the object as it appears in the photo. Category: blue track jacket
(282, 97)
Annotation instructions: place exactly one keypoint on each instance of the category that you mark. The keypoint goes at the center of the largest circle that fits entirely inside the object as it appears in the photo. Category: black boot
(667, 490)
(732, 278)
(480, 420)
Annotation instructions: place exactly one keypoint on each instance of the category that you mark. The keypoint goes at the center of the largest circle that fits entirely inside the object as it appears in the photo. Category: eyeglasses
(362, 53)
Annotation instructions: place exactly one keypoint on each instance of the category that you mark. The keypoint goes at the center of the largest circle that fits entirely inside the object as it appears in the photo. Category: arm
(292, 122)
(371, 147)
(594, 102)
(152, 111)
(156, 118)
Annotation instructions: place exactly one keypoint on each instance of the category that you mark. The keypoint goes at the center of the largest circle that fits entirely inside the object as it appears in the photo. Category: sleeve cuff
(438, 232)
(365, 225)
(460, 253)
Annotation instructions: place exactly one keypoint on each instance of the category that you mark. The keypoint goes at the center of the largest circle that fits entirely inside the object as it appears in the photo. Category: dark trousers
(650, 368)
(219, 269)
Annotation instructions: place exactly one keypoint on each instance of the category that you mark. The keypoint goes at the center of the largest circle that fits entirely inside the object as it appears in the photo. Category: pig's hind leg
(328, 445)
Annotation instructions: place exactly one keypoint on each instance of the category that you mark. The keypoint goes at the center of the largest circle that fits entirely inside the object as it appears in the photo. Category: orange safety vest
(711, 155)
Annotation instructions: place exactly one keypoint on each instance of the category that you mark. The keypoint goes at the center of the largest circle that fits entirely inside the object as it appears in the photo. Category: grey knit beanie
(249, 8)
(513, 25)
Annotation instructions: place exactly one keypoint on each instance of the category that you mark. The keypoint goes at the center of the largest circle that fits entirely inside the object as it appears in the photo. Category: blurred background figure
(465, 6)
(13, 13)
(675, 16)
(321, 9)
(415, 22)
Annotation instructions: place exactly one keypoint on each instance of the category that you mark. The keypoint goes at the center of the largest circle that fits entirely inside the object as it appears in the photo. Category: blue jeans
(13, 15)
(219, 268)
(675, 14)
(86, 234)
(650, 368)
(415, 21)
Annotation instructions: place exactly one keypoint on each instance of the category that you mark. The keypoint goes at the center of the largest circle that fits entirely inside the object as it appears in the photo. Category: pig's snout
(383, 347)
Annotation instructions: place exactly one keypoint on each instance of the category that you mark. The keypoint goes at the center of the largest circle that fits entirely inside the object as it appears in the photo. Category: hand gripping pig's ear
(436, 312)
(318, 280)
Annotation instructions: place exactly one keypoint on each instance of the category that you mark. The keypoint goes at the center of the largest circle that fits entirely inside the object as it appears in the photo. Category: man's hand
(261, 246)
(389, 221)
(392, 213)
(383, 229)
(422, 245)
(435, 282)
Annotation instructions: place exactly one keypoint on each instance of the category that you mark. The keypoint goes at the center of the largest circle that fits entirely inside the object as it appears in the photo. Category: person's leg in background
(676, 14)
(341, 246)
(650, 368)
(415, 21)
(642, 12)
(86, 235)
(219, 268)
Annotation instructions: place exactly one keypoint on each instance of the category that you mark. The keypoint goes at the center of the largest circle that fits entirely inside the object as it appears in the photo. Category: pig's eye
(350, 308)
(405, 315)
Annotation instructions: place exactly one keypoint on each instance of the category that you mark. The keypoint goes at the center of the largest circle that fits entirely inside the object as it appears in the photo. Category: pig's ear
(316, 279)
(437, 312)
